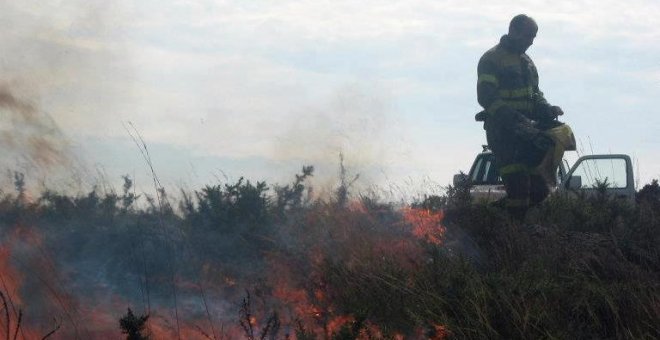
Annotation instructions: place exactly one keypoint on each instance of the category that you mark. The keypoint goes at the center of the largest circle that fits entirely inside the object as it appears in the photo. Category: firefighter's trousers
(516, 159)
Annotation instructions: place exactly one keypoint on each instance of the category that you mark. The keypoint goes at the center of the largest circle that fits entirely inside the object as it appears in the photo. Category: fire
(426, 224)
(336, 323)
(292, 283)
(10, 281)
(9, 277)
(440, 332)
(289, 292)
(23, 248)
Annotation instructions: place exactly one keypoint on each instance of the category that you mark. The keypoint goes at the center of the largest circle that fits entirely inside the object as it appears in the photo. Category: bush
(348, 268)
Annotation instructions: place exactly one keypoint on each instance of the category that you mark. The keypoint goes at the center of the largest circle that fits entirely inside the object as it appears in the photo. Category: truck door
(591, 171)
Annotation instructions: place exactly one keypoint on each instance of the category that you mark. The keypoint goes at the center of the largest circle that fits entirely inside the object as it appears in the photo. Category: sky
(223, 89)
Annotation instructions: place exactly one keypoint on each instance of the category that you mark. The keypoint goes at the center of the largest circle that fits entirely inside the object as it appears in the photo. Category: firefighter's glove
(556, 111)
(481, 116)
(543, 142)
(549, 113)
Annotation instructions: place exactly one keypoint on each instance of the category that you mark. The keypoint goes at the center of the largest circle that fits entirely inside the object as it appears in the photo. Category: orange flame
(441, 332)
(426, 224)
(297, 293)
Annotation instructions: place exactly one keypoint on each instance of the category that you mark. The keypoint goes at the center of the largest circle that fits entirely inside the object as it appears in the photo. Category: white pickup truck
(584, 176)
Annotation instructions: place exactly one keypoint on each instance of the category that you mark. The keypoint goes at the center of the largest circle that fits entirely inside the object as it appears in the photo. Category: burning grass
(243, 261)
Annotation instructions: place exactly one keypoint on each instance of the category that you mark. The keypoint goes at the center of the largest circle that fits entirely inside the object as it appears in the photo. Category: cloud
(265, 79)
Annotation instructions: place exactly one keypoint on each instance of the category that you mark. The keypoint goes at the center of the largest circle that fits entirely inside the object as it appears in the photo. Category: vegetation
(345, 267)
(133, 326)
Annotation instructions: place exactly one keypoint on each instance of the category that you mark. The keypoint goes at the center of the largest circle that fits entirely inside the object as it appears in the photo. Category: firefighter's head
(522, 31)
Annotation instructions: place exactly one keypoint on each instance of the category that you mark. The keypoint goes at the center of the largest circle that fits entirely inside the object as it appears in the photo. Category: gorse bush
(222, 209)
(497, 279)
(345, 267)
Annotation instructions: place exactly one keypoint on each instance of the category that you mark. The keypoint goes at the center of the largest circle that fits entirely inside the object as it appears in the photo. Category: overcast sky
(258, 88)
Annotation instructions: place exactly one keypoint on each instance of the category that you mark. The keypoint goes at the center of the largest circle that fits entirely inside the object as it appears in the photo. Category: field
(259, 261)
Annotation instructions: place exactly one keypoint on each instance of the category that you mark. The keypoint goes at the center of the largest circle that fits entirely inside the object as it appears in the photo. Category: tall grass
(344, 267)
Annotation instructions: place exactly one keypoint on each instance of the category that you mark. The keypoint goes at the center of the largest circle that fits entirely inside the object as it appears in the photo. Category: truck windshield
(483, 170)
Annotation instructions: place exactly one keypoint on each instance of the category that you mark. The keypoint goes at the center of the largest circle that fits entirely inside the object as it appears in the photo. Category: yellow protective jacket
(508, 82)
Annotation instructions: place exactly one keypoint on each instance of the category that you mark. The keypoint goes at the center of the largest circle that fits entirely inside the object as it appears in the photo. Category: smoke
(28, 136)
(359, 122)
(52, 88)
(32, 143)
(356, 122)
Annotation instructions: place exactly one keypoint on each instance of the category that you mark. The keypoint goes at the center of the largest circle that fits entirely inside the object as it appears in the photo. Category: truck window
(476, 173)
(483, 171)
(593, 171)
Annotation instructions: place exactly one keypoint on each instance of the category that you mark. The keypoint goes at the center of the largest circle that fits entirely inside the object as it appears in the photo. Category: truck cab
(610, 172)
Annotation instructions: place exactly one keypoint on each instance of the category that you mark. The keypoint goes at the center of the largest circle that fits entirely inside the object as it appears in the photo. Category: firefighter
(514, 112)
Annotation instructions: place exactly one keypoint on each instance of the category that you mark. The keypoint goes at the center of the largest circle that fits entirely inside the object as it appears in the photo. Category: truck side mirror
(460, 179)
(575, 182)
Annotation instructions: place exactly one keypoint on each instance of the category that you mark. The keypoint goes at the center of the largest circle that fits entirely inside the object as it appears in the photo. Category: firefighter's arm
(487, 92)
(541, 106)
